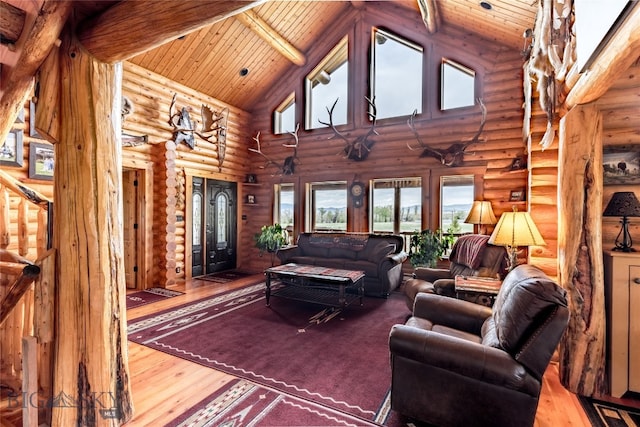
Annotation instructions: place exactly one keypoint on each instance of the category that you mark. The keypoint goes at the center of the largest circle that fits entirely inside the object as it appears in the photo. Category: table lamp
(515, 229)
(624, 204)
(481, 213)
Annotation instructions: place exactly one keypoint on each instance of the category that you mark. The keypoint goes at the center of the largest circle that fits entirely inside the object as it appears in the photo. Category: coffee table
(321, 285)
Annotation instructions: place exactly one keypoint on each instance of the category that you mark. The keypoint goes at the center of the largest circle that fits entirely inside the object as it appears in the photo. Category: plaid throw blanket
(468, 250)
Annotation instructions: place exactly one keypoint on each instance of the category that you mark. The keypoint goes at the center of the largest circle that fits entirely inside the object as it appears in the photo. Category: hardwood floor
(164, 386)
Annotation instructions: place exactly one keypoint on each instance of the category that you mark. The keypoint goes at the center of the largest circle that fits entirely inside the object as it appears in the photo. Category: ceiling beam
(614, 59)
(130, 28)
(255, 23)
(430, 15)
(42, 35)
(11, 22)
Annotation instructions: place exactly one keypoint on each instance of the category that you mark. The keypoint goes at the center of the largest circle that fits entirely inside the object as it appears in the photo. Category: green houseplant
(426, 247)
(270, 239)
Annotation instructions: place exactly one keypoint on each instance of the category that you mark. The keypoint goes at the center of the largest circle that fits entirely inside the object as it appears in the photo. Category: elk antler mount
(181, 123)
(359, 148)
(452, 156)
(289, 164)
(213, 125)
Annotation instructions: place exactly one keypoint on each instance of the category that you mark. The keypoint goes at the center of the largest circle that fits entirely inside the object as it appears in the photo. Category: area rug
(242, 402)
(136, 299)
(224, 276)
(606, 414)
(334, 358)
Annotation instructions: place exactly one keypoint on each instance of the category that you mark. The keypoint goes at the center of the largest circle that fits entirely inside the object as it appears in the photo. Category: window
(327, 83)
(328, 206)
(457, 85)
(396, 75)
(456, 199)
(283, 206)
(397, 205)
(284, 118)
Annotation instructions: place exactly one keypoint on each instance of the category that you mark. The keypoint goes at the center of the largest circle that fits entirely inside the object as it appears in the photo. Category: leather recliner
(456, 363)
(471, 255)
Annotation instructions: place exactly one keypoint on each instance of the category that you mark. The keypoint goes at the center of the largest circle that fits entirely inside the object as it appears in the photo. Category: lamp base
(623, 249)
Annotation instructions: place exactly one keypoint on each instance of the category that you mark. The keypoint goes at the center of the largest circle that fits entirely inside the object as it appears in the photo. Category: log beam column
(91, 361)
(582, 352)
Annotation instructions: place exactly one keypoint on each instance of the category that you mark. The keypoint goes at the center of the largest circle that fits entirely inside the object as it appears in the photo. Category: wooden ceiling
(210, 59)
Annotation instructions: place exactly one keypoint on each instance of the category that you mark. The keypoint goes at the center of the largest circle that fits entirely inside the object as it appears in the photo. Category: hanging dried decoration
(553, 33)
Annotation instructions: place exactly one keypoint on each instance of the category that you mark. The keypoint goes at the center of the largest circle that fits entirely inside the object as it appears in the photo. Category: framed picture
(41, 161)
(517, 195)
(32, 121)
(621, 165)
(251, 179)
(11, 149)
(251, 199)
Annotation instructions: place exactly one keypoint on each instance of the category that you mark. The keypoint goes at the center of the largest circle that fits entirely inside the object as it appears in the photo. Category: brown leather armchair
(471, 255)
(456, 363)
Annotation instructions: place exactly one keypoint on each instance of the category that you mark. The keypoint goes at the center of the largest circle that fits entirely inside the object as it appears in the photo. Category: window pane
(284, 118)
(456, 199)
(383, 209)
(396, 75)
(458, 85)
(396, 205)
(410, 209)
(284, 206)
(329, 206)
(327, 83)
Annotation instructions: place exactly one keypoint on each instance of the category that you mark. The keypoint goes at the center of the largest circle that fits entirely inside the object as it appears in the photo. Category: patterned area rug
(244, 403)
(337, 359)
(605, 414)
(136, 299)
(224, 276)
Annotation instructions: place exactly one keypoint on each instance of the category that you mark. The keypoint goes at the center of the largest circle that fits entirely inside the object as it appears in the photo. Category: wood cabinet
(622, 295)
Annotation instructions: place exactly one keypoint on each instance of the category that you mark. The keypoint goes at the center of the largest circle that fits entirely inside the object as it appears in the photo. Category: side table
(480, 290)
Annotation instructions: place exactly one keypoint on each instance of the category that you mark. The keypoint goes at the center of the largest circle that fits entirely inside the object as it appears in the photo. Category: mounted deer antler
(289, 165)
(359, 148)
(453, 155)
(181, 123)
(215, 125)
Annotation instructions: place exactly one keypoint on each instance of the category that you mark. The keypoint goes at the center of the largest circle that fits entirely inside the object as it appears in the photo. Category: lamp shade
(624, 203)
(516, 229)
(481, 213)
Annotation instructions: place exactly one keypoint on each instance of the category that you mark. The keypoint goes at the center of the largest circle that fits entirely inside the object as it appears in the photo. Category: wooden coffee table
(321, 285)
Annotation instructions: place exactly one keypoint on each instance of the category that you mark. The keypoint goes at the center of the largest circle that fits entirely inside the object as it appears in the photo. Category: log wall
(500, 85)
(620, 108)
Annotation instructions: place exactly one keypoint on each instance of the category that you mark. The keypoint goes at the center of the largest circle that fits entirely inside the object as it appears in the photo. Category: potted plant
(270, 239)
(426, 247)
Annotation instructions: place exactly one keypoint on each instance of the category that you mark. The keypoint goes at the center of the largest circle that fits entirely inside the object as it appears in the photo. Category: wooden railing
(26, 311)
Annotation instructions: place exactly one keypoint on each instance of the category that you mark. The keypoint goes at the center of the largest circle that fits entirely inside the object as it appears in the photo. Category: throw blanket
(468, 250)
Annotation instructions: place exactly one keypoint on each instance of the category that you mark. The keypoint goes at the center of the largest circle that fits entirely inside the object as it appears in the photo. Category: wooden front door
(130, 224)
(214, 244)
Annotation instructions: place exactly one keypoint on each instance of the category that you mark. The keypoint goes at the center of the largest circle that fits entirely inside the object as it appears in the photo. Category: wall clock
(357, 193)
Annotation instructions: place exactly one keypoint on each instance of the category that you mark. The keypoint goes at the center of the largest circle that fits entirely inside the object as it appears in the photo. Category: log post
(582, 350)
(91, 361)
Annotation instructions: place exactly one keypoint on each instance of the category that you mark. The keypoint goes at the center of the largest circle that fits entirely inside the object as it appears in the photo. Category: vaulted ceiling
(276, 35)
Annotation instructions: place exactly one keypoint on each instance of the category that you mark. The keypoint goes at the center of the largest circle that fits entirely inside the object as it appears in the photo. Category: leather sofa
(471, 255)
(380, 256)
(456, 363)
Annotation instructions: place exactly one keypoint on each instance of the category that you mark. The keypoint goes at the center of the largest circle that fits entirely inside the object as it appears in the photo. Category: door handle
(636, 280)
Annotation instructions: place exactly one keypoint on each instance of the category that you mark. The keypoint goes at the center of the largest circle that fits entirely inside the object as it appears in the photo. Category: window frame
(460, 67)
(310, 208)
(289, 101)
(371, 66)
(328, 64)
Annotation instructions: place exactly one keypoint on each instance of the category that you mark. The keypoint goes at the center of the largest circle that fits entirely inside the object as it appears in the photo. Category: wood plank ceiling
(210, 60)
